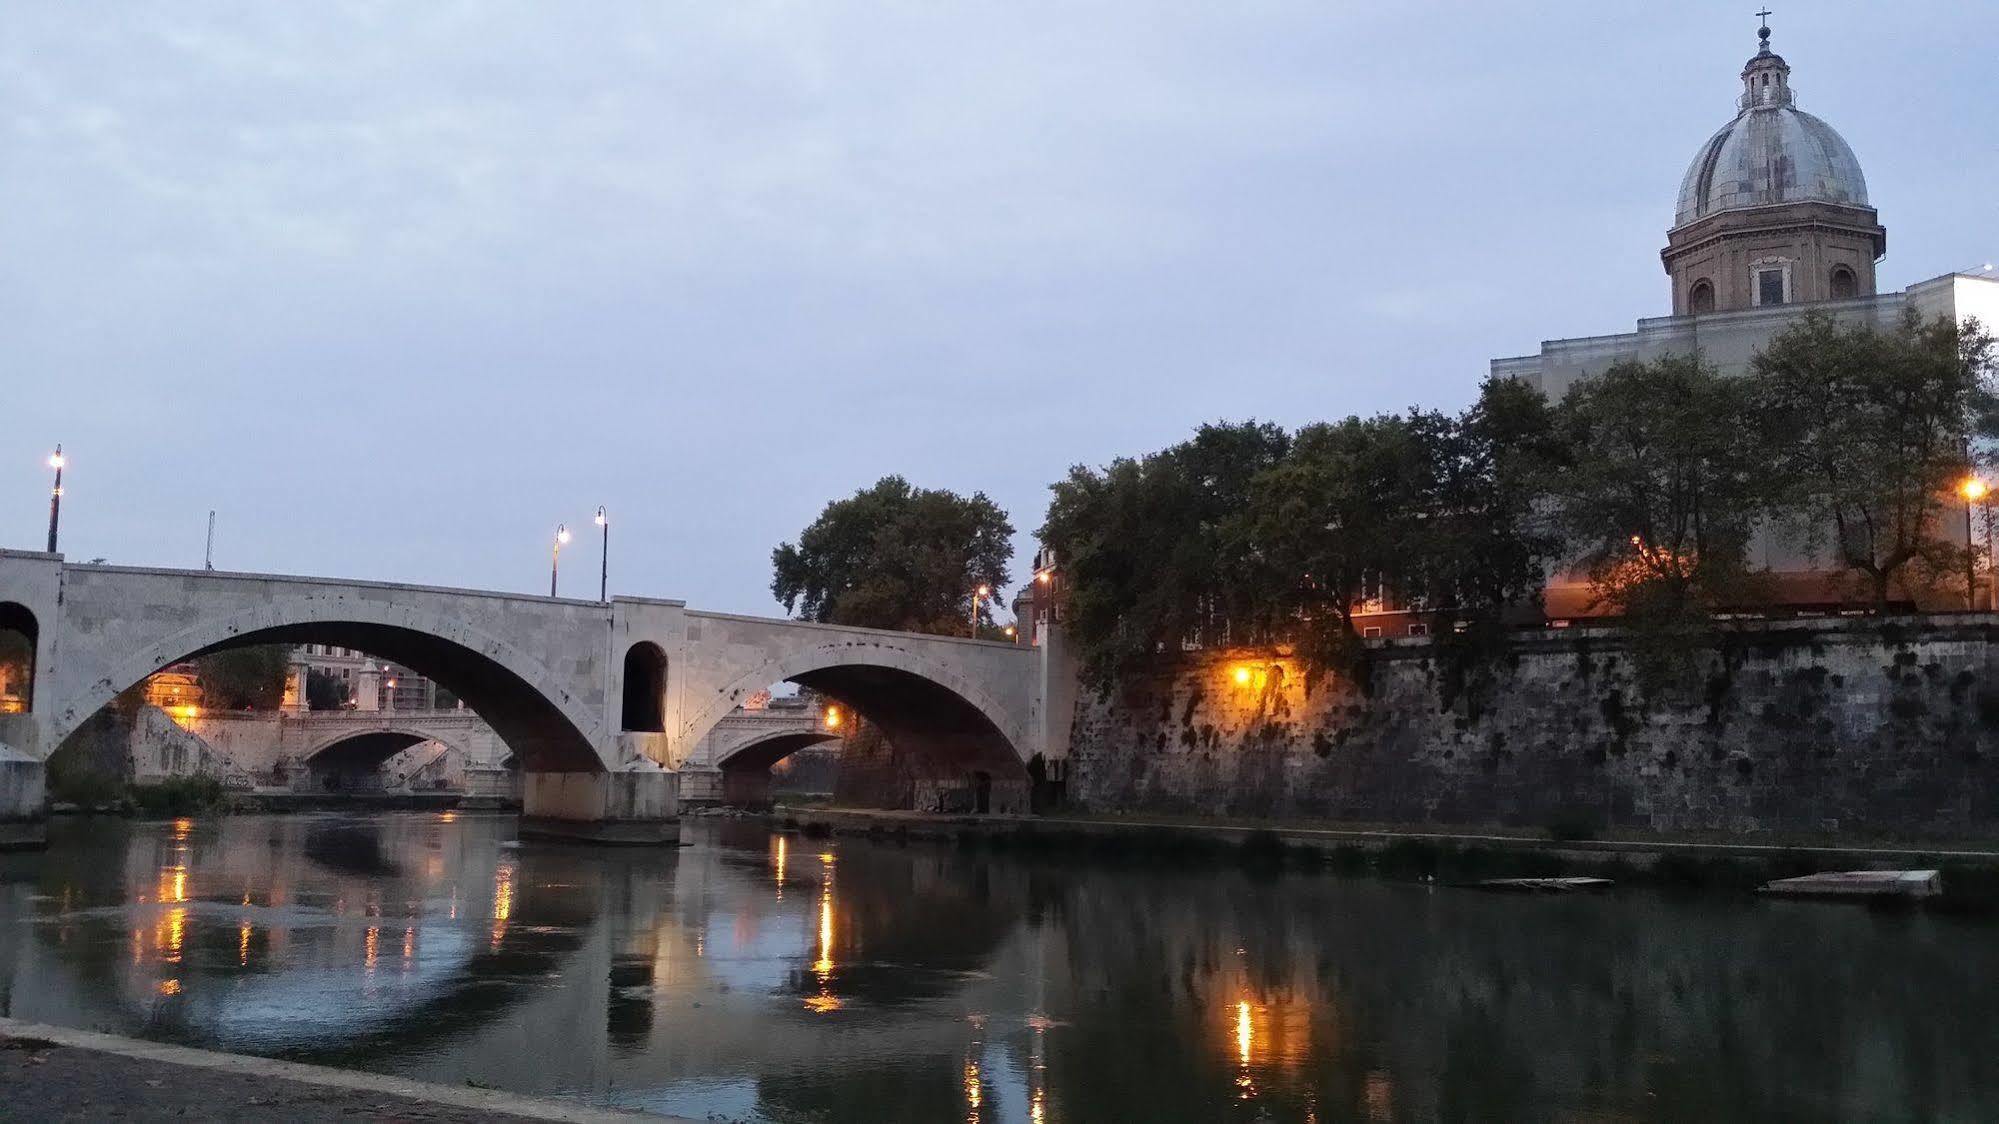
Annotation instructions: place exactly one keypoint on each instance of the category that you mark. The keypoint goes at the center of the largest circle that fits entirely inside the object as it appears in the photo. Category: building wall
(1851, 725)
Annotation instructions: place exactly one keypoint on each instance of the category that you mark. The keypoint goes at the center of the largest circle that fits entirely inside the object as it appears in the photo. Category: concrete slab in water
(1860, 884)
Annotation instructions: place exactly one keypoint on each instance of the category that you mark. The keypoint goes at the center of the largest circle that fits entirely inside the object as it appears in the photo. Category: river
(757, 976)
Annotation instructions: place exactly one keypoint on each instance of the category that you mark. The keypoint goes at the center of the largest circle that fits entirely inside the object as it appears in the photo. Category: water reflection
(879, 983)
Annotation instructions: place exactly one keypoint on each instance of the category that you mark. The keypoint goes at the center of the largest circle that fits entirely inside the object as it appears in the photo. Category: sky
(395, 289)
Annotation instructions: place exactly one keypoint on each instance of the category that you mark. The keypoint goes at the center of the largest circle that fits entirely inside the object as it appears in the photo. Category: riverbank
(55, 1073)
(1970, 869)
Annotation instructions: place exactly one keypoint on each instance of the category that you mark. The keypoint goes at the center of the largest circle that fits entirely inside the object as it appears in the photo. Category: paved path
(52, 1073)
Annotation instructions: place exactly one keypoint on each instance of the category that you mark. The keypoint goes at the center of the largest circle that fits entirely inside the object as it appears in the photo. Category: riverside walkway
(54, 1073)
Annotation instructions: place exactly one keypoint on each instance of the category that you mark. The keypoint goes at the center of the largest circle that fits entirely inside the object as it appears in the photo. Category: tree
(894, 556)
(1341, 517)
(1663, 485)
(1870, 431)
(1151, 555)
(1484, 546)
(325, 690)
(244, 678)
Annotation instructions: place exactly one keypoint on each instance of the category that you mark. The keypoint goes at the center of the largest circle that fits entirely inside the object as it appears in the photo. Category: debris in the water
(1544, 885)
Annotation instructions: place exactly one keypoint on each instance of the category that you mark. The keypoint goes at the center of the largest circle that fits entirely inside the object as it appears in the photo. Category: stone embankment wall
(1855, 725)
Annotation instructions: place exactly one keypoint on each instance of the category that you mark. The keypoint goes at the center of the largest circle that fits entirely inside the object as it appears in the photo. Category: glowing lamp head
(562, 534)
(1009, 630)
(55, 460)
(1973, 488)
(985, 591)
(1042, 577)
(1242, 677)
(602, 518)
(832, 718)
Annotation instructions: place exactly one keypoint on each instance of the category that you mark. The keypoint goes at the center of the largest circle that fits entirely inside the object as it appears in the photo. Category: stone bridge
(603, 704)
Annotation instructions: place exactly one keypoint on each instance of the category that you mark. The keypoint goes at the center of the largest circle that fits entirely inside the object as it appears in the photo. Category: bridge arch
(643, 708)
(20, 648)
(365, 750)
(928, 711)
(519, 697)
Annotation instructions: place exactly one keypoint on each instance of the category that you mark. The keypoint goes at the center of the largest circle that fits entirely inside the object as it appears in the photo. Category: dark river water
(768, 977)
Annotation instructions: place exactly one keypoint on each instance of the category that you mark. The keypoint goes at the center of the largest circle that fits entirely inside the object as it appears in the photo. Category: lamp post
(1973, 489)
(555, 556)
(978, 595)
(55, 497)
(604, 569)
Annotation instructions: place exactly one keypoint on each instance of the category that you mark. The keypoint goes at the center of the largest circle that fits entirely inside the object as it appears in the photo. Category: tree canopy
(1246, 536)
(896, 556)
(1152, 555)
(1651, 480)
(1868, 433)
(244, 678)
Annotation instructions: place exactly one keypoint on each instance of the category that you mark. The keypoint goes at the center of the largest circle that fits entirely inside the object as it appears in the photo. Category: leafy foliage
(325, 690)
(895, 556)
(1244, 536)
(1869, 432)
(1151, 552)
(1662, 486)
(244, 678)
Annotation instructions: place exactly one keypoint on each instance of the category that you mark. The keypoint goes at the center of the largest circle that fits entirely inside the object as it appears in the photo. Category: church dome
(1772, 152)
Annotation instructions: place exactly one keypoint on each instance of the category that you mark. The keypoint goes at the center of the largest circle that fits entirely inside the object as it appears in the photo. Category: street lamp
(604, 570)
(978, 595)
(1974, 490)
(555, 557)
(55, 496)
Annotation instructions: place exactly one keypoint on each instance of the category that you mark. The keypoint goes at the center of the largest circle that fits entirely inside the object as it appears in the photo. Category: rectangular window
(1371, 631)
(1769, 286)
(1419, 629)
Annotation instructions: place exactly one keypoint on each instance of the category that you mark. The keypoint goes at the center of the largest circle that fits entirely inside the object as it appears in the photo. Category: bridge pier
(635, 807)
(23, 801)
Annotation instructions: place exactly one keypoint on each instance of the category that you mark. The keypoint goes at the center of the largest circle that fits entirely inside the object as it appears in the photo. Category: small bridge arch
(520, 698)
(948, 732)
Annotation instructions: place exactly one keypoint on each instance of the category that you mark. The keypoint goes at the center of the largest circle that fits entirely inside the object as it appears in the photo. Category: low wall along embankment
(1888, 727)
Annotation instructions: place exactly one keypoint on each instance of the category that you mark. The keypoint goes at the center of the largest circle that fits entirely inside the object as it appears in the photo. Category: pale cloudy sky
(397, 287)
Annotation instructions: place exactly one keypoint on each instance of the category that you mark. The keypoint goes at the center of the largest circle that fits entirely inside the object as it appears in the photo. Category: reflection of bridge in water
(426, 945)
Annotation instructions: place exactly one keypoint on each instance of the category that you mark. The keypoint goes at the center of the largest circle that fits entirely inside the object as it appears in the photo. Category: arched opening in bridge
(871, 735)
(644, 708)
(19, 636)
(358, 763)
(247, 747)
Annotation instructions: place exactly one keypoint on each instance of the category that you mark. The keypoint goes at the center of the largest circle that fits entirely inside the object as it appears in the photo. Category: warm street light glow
(1242, 677)
(985, 591)
(832, 718)
(602, 519)
(1009, 630)
(1973, 488)
(562, 535)
(55, 460)
(1041, 576)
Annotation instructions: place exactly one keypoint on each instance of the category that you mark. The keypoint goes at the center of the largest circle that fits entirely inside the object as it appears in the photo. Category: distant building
(1773, 221)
